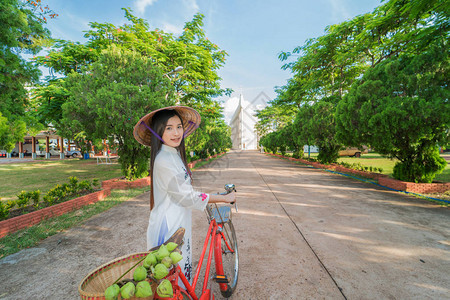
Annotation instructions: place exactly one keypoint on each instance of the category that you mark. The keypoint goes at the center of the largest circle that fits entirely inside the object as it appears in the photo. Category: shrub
(347, 165)
(422, 168)
(73, 181)
(35, 197)
(95, 182)
(5, 208)
(57, 194)
(298, 153)
(84, 185)
(60, 192)
(203, 154)
(53, 195)
(23, 199)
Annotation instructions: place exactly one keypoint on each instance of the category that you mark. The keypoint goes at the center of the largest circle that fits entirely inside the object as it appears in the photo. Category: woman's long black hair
(159, 123)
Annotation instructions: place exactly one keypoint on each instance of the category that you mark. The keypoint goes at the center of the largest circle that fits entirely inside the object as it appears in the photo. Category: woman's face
(173, 132)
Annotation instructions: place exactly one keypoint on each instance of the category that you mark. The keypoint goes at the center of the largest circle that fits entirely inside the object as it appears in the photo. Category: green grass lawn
(46, 174)
(378, 161)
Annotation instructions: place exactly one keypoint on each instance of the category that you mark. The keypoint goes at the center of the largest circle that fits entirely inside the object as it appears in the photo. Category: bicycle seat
(223, 215)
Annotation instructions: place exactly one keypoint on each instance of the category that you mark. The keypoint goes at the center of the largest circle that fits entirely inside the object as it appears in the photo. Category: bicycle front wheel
(227, 260)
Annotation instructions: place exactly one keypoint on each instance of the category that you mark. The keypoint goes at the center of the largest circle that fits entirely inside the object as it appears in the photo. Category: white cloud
(230, 105)
(167, 21)
(339, 10)
(191, 4)
(172, 28)
(141, 5)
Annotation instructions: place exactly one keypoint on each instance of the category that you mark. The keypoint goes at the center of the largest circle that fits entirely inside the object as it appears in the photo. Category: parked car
(73, 153)
(353, 152)
(52, 152)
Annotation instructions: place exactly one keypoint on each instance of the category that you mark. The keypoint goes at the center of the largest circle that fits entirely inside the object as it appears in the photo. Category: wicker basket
(93, 286)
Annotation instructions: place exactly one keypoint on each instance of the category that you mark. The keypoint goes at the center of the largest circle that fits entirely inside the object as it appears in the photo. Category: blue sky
(252, 32)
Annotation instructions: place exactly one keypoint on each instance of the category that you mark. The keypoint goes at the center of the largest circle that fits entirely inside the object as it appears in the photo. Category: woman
(172, 196)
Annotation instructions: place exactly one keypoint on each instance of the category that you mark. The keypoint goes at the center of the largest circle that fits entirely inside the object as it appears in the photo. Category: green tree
(213, 135)
(109, 97)
(318, 127)
(285, 139)
(400, 26)
(272, 117)
(270, 142)
(327, 66)
(48, 99)
(400, 108)
(323, 73)
(22, 32)
(196, 85)
(288, 134)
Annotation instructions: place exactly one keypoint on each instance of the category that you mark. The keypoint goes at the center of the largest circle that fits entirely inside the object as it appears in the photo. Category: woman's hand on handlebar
(228, 198)
(231, 197)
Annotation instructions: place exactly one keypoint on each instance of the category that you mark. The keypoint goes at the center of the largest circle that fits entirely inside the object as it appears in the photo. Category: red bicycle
(221, 239)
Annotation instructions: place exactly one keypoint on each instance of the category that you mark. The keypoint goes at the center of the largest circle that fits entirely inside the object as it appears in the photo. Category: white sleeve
(179, 188)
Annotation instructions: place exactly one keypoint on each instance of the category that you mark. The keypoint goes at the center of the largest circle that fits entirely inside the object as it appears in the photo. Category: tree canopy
(197, 84)
(22, 32)
(76, 99)
(400, 107)
(375, 80)
(109, 97)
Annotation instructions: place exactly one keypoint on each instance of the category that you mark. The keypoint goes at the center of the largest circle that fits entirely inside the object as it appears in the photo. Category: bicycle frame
(216, 234)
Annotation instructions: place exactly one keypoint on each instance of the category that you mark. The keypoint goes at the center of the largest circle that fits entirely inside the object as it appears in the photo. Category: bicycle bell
(229, 187)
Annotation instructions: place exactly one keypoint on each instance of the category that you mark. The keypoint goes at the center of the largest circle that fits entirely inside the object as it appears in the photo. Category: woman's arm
(216, 198)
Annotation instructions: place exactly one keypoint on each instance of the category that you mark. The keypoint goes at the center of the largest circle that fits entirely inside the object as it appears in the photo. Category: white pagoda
(243, 132)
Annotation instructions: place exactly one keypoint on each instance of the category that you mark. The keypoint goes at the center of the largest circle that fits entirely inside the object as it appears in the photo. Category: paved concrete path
(303, 234)
(342, 238)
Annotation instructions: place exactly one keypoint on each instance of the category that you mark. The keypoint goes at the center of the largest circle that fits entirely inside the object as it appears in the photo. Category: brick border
(384, 180)
(120, 184)
(23, 221)
(33, 218)
(420, 188)
(14, 224)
